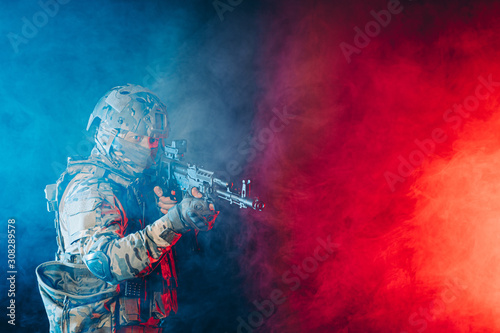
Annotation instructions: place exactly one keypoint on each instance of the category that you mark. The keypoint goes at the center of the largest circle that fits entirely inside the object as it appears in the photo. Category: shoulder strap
(53, 194)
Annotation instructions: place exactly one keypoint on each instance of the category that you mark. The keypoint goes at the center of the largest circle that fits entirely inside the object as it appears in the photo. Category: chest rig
(151, 297)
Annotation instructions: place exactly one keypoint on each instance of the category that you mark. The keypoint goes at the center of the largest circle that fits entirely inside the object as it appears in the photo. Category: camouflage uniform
(115, 266)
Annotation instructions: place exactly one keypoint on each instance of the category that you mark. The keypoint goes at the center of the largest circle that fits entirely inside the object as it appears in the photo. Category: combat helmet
(130, 108)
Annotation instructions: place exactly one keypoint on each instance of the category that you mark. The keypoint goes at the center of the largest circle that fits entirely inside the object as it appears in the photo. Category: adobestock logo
(30, 28)
(221, 7)
(419, 320)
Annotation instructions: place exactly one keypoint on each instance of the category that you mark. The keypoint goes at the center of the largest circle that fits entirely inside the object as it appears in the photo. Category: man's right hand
(165, 203)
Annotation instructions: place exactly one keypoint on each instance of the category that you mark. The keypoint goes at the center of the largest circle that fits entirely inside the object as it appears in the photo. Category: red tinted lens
(153, 143)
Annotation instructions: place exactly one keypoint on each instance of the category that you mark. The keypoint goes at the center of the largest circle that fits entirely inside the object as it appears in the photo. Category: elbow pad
(98, 264)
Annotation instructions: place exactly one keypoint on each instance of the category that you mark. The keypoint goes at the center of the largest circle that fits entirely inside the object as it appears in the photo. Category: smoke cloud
(391, 154)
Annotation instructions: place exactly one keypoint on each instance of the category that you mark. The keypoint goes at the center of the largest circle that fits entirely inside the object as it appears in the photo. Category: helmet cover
(123, 109)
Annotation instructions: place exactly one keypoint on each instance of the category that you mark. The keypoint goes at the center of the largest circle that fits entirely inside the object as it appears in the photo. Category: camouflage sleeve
(96, 223)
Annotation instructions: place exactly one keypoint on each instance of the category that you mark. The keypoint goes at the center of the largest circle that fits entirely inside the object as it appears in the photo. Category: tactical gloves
(192, 214)
(189, 214)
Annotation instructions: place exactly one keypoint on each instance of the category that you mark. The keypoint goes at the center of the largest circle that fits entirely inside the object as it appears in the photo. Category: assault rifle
(178, 176)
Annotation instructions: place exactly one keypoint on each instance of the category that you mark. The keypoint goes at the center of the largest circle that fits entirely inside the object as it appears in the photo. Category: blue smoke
(58, 59)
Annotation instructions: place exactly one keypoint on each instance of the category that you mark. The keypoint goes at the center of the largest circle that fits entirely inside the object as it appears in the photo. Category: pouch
(75, 300)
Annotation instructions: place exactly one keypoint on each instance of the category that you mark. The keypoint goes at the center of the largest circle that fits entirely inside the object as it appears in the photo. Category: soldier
(115, 270)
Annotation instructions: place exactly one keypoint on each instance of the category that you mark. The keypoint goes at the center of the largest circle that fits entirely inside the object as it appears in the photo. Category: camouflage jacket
(103, 214)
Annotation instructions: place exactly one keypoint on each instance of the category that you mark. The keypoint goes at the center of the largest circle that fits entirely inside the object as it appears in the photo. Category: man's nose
(145, 143)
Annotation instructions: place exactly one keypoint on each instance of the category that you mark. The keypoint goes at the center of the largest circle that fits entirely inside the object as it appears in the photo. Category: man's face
(143, 141)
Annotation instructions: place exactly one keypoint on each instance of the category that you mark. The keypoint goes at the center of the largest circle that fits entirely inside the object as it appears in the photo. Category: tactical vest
(144, 300)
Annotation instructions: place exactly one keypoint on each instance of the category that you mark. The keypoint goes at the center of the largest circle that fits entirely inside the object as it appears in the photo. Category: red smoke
(392, 155)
